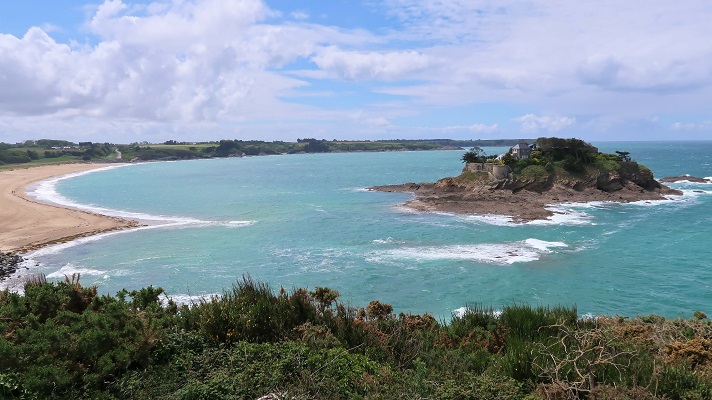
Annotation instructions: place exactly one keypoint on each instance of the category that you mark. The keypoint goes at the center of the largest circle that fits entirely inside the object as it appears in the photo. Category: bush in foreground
(61, 340)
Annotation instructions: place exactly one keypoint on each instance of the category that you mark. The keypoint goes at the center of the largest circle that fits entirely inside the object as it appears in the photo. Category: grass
(199, 147)
(534, 172)
(469, 176)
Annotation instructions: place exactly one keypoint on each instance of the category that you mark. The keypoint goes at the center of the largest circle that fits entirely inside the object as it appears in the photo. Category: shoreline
(27, 224)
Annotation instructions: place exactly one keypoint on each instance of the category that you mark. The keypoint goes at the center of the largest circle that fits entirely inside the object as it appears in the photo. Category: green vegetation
(54, 151)
(57, 151)
(567, 160)
(467, 177)
(477, 155)
(62, 340)
(573, 156)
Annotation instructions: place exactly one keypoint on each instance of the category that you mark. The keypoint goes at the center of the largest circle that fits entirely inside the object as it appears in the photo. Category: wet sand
(26, 224)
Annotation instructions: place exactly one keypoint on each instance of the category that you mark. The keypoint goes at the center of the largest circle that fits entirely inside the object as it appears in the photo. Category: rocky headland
(527, 191)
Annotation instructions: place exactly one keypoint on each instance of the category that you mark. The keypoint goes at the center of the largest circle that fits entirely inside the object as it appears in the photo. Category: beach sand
(26, 224)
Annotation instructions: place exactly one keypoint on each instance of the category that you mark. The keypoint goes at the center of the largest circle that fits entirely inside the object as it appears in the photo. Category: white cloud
(183, 61)
(356, 65)
(534, 123)
(300, 15)
(371, 119)
(704, 126)
(38, 75)
(476, 128)
(454, 21)
(552, 50)
(229, 65)
(183, 23)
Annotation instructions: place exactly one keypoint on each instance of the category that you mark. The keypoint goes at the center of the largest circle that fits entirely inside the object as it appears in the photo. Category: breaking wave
(499, 254)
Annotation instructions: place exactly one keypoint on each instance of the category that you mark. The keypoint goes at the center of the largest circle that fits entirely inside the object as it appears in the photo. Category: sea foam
(489, 219)
(490, 253)
(462, 311)
(566, 214)
(70, 269)
(562, 215)
(189, 300)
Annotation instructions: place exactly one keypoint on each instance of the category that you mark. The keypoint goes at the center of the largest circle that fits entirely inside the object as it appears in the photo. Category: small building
(494, 171)
(521, 151)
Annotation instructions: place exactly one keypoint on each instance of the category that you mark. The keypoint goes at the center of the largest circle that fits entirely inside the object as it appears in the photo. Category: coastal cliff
(523, 188)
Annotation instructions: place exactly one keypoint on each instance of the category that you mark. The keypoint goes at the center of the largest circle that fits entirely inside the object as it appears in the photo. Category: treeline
(53, 150)
(573, 156)
(472, 143)
(46, 150)
(173, 150)
(62, 340)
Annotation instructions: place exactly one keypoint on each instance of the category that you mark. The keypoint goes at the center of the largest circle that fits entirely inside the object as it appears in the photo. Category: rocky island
(529, 178)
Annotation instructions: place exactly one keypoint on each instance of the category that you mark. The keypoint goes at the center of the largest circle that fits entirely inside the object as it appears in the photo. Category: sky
(127, 71)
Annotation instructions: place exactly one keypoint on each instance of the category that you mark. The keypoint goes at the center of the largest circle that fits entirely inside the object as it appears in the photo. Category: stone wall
(496, 171)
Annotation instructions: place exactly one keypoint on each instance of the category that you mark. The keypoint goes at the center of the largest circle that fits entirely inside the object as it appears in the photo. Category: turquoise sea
(307, 220)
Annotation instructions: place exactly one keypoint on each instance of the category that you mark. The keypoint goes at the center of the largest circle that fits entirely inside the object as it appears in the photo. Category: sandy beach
(26, 224)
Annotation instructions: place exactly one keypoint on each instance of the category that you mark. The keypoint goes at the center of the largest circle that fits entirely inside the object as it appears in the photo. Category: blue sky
(131, 71)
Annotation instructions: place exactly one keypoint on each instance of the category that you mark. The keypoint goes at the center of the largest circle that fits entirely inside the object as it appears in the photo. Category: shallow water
(306, 221)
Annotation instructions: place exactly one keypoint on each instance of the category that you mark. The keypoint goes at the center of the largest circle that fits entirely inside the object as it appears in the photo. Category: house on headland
(521, 150)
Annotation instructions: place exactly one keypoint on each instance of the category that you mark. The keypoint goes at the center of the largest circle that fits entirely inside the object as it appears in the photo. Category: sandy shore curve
(27, 224)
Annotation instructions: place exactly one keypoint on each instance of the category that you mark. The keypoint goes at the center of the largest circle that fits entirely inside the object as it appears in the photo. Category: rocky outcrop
(534, 185)
(687, 178)
(9, 263)
(611, 182)
(630, 176)
(526, 196)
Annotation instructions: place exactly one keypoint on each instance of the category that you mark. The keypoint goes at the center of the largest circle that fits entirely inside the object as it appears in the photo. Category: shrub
(61, 340)
(678, 382)
(695, 352)
(63, 337)
(480, 387)
(250, 370)
(527, 322)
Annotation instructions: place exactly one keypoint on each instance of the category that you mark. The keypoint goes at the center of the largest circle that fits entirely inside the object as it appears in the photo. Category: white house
(521, 150)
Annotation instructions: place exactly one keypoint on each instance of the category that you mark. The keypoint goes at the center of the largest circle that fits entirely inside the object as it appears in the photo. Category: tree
(476, 155)
(508, 159)
(623, 155)
(316, 146)
(558, 149)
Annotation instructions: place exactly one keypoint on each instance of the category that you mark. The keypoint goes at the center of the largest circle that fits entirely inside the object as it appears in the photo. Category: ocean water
(307, 221)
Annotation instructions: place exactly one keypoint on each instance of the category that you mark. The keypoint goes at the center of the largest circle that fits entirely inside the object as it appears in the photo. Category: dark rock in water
(528, 194)
(9, 263)
(672, 179)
